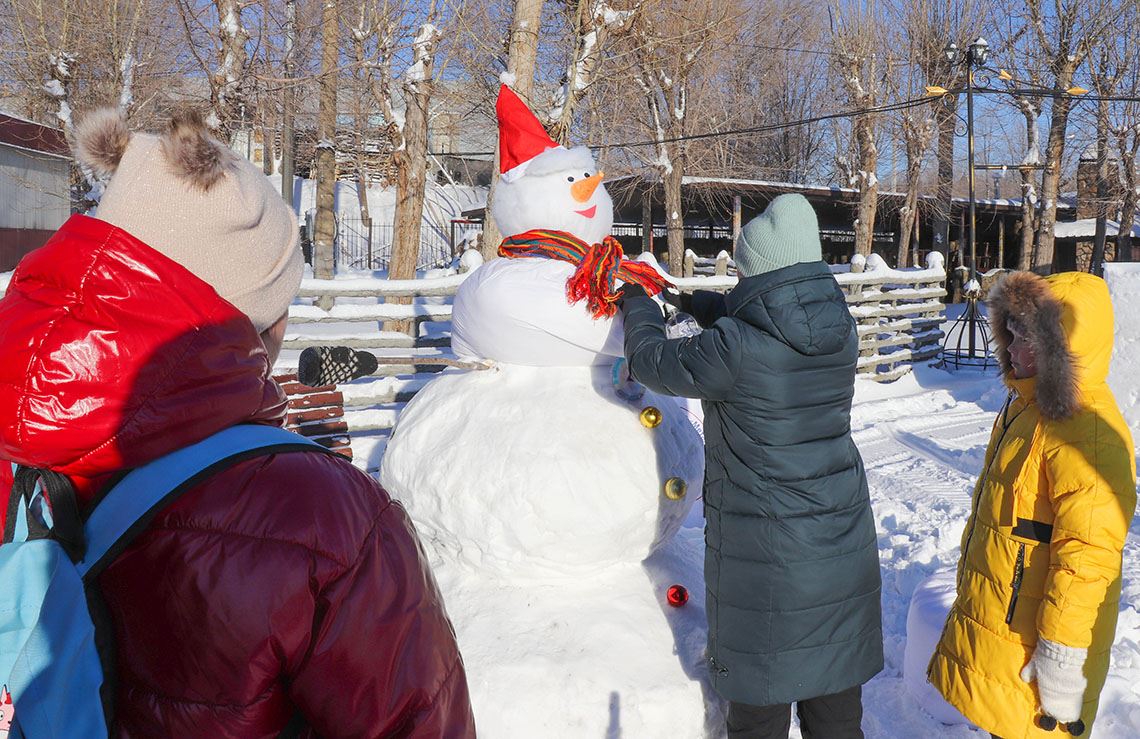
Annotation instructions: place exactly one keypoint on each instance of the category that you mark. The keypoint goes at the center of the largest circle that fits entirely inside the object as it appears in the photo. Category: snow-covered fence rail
(899, 312)
(719, 265)
(300, 337)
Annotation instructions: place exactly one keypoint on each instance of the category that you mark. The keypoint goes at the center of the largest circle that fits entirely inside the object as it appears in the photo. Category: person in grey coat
(791, 558)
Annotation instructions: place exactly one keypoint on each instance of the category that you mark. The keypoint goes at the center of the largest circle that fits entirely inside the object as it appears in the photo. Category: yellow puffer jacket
(1041, 553)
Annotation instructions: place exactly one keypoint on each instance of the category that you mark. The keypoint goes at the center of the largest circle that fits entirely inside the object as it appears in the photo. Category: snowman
(551, 457)
(553, 467)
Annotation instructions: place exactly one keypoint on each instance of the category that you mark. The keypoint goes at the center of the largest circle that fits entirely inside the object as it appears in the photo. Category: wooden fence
(899, 314)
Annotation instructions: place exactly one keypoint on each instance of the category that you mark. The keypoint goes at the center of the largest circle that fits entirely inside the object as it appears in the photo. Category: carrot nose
(583, 190)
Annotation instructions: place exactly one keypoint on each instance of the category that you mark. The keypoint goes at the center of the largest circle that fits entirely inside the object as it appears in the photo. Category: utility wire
(887, 108)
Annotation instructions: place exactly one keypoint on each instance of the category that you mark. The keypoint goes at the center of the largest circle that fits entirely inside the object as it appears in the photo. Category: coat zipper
(1018, 571)
(1006, 423)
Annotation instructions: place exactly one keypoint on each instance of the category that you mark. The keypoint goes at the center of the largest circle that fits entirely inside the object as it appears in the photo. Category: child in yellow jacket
(1026, 644)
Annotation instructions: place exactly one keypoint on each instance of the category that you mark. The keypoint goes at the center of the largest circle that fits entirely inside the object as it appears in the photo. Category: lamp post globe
(979, 51)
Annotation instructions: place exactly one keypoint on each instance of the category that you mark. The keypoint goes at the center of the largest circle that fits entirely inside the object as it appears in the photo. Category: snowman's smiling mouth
(588, 212)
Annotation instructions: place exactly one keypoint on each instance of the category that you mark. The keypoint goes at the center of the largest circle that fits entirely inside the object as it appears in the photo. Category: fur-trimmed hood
(1069, 321)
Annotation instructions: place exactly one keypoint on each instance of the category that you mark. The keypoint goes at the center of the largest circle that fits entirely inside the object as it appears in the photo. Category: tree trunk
(411, 169)
(1096, 264)
(1028, 219)
(288, 140)
(675, 214)
(411, 180)
(226, 97)
(324, 237)
(1128, 207)
(521, 61)
(1051, 181)
(908, 216)
(944, 194)
(868, 185)
(594, 25)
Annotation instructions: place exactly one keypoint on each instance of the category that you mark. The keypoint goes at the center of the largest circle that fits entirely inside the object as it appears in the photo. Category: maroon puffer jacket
(286, 588)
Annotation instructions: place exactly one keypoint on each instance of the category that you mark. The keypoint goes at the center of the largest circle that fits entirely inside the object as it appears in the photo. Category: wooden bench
(317, 413)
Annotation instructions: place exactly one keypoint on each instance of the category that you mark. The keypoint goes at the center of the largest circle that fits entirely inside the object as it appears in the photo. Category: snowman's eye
(570, 178)
(587, 175)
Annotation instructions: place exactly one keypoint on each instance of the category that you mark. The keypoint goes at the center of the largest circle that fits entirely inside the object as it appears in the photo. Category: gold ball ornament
(675, 488)
(651, 417)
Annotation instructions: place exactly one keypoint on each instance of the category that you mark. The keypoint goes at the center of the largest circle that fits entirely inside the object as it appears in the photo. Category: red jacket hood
(114, 355)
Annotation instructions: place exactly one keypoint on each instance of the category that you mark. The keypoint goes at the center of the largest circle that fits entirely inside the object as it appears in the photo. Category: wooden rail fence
(898, 312)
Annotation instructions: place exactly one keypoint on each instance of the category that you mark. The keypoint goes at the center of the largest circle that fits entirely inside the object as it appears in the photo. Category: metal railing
(369, 246)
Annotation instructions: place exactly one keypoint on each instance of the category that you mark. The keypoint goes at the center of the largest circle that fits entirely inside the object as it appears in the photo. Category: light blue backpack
(50, 561)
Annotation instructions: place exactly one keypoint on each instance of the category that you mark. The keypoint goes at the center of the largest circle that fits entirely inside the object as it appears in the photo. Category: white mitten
(1061, 683)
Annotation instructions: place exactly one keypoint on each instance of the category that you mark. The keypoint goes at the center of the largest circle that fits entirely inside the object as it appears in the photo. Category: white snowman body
(539, 459)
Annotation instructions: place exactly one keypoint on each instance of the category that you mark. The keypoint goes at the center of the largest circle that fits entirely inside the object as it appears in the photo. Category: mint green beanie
(786, 233)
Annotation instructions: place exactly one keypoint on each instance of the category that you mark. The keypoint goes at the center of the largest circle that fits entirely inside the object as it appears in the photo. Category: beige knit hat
(190, 197)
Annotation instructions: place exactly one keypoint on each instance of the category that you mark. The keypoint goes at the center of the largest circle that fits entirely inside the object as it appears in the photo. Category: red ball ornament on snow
(677, 595)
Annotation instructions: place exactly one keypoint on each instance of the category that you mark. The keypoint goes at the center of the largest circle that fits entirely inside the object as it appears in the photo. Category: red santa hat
(521, 136)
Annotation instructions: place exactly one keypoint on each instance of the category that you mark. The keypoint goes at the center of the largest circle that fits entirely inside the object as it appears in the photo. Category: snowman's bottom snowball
(540, 465)
(925, 618)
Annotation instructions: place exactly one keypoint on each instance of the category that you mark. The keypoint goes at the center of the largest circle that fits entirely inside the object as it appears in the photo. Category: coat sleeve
(383, 659)
(1092, 489)
(702, 366)
(708, 307)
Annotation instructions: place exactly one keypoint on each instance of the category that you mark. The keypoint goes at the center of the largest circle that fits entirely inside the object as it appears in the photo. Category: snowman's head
(558, 190)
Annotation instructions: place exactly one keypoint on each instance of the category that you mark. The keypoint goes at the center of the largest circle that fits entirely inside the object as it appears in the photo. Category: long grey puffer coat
(791, 558)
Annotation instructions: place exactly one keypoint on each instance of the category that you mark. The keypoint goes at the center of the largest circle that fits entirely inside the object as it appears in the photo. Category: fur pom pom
(100, 140)
(508, 79)
(192, 152)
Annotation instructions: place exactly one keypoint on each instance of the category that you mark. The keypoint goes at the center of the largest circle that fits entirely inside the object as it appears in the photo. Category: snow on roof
(1085, 228)
(776, 184)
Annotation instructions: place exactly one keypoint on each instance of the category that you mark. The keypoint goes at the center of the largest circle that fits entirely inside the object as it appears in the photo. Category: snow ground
(616, 661)
(922, 439)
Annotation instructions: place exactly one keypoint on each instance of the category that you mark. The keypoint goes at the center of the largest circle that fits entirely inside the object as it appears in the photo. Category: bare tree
(930, 26)
(670, 42)
(863, 73)
(412, 156)
(917, 129)
(289, 103)
(1023, 56)
(1106, 72)
(595, 21)
(324, 231)
(1124, 125)
(522, 58)
(1063, 33)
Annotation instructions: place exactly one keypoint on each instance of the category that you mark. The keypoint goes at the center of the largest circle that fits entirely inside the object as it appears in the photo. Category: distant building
(35, 200)
(1074, 239)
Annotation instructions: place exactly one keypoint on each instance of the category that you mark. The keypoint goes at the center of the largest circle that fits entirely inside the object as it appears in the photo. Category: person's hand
(1061, 683)
(680, 301)
(630, 290)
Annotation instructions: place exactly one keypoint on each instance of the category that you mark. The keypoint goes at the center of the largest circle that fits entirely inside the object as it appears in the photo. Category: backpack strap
(130, 506)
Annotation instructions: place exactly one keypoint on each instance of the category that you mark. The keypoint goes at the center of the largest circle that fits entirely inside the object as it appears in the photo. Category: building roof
(25, 134)
(1085, 229)
(741, 184)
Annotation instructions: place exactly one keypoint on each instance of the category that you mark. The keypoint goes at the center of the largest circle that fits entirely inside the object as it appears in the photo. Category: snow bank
(1124, 374)
(925, 618)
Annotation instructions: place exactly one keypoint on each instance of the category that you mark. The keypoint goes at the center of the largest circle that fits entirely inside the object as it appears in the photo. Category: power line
(887, 108)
